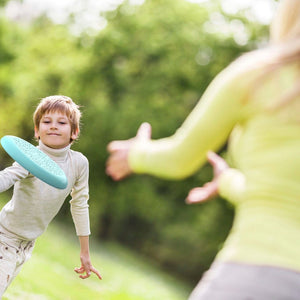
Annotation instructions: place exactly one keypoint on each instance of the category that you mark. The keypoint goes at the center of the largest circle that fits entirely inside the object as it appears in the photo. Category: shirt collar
(55, 154)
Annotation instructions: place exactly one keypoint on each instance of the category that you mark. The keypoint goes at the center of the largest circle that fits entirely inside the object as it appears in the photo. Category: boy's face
(55, 130)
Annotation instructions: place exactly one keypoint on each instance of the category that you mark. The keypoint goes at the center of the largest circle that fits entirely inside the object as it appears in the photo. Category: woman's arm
(206, 129)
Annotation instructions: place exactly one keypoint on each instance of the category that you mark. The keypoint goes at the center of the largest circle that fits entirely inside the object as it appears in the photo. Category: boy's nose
(53, 126)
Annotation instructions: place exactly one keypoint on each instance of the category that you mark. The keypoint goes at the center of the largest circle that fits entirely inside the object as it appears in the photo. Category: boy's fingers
(79, 270)
(88, 273)
(97, 273)
(84, 276)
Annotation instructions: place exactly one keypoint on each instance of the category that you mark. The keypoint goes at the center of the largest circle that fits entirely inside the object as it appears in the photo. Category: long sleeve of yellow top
(264, 147)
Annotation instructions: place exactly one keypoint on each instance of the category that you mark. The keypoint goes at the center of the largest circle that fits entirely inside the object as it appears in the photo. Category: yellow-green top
(264, 149)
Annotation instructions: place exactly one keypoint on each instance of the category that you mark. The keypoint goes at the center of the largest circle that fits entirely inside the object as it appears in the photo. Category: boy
(34, 203)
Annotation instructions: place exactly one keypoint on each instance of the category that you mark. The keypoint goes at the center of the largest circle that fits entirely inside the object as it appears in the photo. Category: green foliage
(3, 2)
(151, 63)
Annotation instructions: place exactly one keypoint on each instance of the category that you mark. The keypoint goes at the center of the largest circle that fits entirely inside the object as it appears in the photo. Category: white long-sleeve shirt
(34, 203)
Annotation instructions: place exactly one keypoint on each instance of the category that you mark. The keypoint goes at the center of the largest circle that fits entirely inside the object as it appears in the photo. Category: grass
(49, 274)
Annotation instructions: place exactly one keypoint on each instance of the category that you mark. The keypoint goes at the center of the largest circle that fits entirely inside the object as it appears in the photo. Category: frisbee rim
(15, 152)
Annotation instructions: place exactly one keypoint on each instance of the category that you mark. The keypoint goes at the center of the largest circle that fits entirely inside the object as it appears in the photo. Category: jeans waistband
(14, 240)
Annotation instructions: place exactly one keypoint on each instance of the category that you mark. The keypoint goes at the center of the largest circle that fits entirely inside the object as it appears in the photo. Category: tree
(146, 66)
(151, 63)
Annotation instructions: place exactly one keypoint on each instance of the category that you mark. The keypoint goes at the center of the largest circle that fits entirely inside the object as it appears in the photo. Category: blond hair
(284, 49)
(285, 34)
(286, 24)
(62, 104)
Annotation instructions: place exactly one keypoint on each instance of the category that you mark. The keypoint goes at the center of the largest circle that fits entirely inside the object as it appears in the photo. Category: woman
(254, 104)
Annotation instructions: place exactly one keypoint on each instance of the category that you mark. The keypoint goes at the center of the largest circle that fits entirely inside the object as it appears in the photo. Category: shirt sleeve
(232, 185)
(206, 128)
(80, 197)
(10, 175)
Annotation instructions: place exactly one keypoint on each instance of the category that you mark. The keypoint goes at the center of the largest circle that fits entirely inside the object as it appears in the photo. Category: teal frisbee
(34, 161)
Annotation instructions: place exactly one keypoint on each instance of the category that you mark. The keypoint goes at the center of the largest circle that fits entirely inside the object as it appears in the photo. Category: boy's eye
(62, 122)
(46, 122)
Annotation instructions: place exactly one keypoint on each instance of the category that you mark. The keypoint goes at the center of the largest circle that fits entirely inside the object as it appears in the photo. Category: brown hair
(58, 103)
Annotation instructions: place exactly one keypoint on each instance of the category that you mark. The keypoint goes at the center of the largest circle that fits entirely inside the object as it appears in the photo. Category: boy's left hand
(87, 268)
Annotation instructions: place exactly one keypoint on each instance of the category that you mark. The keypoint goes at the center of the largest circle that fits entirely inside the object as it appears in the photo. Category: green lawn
(49, 274)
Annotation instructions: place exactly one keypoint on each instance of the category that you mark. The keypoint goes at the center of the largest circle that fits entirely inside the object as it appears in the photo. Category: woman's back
(264, 146)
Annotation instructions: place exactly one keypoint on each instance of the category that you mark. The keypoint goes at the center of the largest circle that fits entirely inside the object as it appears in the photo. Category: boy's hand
(86, 268)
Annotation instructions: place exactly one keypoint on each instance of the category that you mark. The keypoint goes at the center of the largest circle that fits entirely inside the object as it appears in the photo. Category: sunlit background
(123, 62)
(88, 12)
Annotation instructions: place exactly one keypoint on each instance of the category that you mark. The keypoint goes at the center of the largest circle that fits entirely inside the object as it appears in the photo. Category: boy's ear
(36, 133)
(75, 134)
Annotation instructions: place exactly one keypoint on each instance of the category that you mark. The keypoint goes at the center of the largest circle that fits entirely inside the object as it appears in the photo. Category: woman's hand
(117, 166)
(209, 190)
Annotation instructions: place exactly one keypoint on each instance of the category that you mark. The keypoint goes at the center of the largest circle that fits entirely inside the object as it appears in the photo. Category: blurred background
(126, 62)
